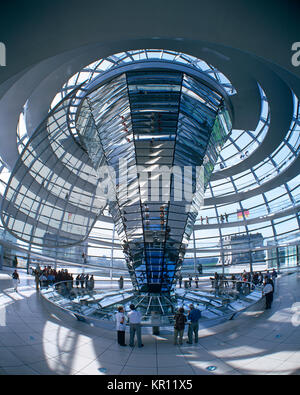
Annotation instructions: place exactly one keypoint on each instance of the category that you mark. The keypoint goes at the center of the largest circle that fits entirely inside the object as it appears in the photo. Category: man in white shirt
(135, 317)
(268, 293)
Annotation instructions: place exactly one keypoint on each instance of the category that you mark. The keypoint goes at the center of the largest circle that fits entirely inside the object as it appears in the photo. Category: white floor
(36, 338)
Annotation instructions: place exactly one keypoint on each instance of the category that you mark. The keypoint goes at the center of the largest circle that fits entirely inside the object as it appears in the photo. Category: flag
(240, 214)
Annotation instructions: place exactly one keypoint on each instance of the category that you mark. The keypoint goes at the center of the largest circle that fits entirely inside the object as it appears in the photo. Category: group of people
(180, 320)
(85, 281)
(257, 278)
(202, 219)
(44, 277)
(246, 281)
(49, 276)
(188, 282)
(134, 319)
(220, 280)
(239, 281)
(223, 218)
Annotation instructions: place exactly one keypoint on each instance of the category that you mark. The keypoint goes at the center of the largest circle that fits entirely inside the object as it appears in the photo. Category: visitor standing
(121, 282)
(91, 283)
(82, 278)
(180, 280)
(84, 260)
(43, 280)
(200, 269)
(217, 283)
(194, 315)
(268, 293)
(135, 318)
(77, 280)
(37, 279)
(274, 275)
(270, 280)
(233, 279)
(16, 280)
(179, 325)
(15, 261)
(86, 281)
(121, 326)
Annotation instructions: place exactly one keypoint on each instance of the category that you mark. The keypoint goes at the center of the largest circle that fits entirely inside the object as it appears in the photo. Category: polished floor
(37, 339)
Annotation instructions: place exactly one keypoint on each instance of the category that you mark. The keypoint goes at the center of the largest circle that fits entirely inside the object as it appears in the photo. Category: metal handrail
(170, 318)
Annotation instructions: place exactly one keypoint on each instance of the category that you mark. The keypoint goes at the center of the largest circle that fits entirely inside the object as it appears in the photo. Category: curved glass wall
(50, 197)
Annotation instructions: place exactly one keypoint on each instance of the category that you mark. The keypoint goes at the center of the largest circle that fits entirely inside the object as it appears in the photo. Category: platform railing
(63, 295)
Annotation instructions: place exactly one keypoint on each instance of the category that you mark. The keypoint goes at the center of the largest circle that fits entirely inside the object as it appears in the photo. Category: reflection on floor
(37, 338)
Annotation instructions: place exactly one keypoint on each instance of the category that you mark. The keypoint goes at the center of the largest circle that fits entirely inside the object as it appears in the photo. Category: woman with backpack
(179, 325)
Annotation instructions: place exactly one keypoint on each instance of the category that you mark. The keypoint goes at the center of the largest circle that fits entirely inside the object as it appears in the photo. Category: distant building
(237, 249)
(73, 253)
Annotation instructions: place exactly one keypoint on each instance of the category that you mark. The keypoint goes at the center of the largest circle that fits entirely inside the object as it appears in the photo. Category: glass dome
(250, 215)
